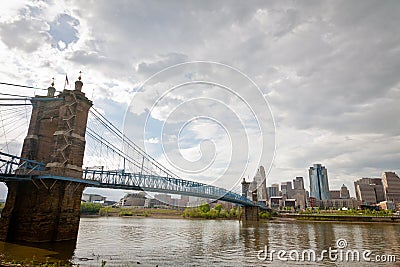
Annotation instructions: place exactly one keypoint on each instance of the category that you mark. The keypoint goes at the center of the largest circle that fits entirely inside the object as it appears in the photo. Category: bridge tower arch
(49, 209)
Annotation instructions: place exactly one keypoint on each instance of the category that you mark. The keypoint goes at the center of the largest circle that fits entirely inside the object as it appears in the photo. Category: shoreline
(154, 213)
(155, 216)
(338, 218)
(177, 214)
(168, 214)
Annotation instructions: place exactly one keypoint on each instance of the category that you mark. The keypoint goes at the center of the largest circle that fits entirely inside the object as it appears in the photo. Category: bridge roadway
(14, 168)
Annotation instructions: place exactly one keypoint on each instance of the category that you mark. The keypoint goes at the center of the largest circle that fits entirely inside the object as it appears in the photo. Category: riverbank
(192, 213)
(203, 211)
(341, 218)
(136, 212)
(151, 213)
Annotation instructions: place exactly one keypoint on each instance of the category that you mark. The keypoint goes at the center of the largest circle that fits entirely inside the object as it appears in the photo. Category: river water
(179, 242)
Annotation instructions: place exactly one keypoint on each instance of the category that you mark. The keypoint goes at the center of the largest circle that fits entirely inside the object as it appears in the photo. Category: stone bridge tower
(249, 213)
(47, 209)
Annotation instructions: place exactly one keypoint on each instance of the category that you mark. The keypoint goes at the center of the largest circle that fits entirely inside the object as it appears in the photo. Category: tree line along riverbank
(96, 209)
(203, 211)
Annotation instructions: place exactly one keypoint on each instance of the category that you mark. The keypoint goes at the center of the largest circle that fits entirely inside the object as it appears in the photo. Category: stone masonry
(44, 210)
(249, 213)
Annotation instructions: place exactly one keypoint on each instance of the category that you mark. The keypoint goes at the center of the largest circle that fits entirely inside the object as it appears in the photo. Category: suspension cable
(23, 86)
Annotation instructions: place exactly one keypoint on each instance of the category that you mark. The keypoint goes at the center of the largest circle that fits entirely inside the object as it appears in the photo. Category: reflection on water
(177, 242)
(57, 252)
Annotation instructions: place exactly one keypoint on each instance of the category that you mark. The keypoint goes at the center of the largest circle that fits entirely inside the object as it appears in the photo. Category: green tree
(265, 215)
(204, 208)
(218, 208)
(90, 208)
(233, 212)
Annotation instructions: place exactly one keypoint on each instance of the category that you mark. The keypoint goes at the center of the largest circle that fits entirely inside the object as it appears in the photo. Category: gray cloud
(26, 34)
(150, 68)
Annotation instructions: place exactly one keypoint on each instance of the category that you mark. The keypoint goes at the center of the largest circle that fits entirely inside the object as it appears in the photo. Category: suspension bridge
(69, 145)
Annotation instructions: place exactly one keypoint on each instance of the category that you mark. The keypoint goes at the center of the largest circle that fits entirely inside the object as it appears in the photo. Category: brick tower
(249, 213)
(43, 210)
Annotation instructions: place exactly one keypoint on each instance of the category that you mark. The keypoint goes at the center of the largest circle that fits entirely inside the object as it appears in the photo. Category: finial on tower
(79, 83)
(51, 90)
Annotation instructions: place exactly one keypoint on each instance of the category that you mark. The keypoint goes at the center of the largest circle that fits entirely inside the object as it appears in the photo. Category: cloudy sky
(329, 70)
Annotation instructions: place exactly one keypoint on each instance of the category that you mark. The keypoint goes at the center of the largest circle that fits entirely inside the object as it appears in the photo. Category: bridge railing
(153, 183)
(14, 166)
(11, 165)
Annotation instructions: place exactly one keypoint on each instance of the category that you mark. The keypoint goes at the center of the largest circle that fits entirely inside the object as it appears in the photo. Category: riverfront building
(319, 186)
(387, 205)
(286, 189)
(133, 200)
(93, 198)
(340, 203)
(391, 185)
(372, 191)
(288, 196)
(299, 193)
(369, 191)
(339, 199)
(298, 183)
(276, 202)
(334, 194)
(273, 191)
(344, 192)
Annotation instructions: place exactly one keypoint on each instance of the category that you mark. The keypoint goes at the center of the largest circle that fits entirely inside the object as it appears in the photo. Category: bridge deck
(12, 170)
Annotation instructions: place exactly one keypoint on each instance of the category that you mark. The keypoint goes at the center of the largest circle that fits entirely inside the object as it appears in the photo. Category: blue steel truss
(10, 165)
(154, 183)
(15, 168)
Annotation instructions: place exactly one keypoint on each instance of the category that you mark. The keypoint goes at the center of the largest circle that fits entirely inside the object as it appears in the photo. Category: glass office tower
(319, 187)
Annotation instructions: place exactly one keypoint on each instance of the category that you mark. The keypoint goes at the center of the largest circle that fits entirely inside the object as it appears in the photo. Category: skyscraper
(286, 188)
(273, 190)
(261, 181)
(319, 187)
(298, 183)
(299, 193)
(391, 185)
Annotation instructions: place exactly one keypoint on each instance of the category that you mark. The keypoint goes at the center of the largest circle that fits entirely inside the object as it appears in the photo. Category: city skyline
(349, 182)
(351, 190)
